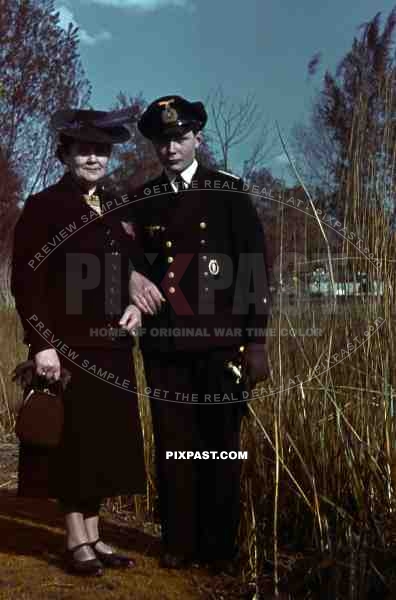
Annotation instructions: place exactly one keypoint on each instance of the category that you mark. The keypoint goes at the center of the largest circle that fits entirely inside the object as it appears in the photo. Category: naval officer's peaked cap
(171, 115)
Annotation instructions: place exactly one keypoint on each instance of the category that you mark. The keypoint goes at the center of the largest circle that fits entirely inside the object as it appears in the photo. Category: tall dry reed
(319, 494)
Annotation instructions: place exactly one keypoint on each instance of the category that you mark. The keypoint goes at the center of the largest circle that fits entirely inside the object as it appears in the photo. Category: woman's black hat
(93, 125)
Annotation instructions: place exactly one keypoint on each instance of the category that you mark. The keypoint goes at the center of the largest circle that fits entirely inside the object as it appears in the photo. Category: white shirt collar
(186, 175)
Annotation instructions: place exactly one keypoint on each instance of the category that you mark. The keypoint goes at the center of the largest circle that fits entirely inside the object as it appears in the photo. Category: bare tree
(134, 162)
(9, 212)
(40, 72)
(316, 153)
(233, 124)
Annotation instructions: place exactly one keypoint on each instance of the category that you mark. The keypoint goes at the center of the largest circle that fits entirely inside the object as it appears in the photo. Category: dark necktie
(180, 183)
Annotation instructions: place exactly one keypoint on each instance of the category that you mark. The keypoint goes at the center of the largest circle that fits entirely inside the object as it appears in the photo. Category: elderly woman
(71, 267)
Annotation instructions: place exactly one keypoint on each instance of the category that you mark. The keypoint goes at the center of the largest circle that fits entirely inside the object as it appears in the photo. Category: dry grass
(320, 489)
(12, 351)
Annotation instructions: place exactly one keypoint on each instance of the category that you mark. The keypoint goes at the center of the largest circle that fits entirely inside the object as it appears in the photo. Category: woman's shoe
(111, 559)
(91, 566)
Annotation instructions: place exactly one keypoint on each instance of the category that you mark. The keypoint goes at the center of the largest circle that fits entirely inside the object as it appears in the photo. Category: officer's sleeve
(29, 275)
(252, 289)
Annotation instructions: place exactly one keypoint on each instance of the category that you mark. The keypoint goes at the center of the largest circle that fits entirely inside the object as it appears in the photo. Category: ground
(31, 545)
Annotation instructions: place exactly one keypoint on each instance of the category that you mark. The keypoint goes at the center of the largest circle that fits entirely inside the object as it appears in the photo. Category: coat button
(171, 275)
(203, 225)
(170, 259)
(206, 274)
(203, 242)
(168, 244)
(204, 258)
(172, 290)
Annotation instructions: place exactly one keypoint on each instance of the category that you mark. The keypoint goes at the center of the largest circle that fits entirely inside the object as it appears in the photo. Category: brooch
(93, 202)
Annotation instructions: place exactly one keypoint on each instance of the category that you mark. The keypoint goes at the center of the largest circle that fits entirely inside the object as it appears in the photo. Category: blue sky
(190, 47)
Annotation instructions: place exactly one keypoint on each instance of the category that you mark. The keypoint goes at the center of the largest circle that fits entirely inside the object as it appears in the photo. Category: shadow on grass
(31, 557)
(34, 527)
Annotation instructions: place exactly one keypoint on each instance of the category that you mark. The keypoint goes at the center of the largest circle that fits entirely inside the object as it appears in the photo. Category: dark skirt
(101, 453)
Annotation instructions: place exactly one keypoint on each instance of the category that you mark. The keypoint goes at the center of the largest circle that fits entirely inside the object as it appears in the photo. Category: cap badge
(169, 113)
(214, 267)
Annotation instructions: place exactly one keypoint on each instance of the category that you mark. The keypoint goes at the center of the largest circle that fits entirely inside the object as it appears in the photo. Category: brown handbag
(40, 419)
(41, 416)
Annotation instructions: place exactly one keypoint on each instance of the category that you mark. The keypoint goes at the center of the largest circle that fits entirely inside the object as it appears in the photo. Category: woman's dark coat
(70, 283)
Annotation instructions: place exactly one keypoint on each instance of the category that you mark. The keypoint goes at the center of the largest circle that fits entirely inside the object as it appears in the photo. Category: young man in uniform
(203, 348)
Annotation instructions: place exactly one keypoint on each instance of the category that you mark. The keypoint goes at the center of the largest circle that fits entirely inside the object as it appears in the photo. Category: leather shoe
(173, 561)
(112, 559)
(90, 567)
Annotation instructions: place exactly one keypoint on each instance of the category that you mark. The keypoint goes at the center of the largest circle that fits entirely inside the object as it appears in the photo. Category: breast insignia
(153, 229)
(214, 267)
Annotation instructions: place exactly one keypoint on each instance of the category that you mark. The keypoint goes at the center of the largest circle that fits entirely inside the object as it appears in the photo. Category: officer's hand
(257, 363)
(47, 364)
(145, 294)
(131, 319)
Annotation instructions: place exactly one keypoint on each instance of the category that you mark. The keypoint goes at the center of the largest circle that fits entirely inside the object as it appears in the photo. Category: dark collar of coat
(69, 184)
(70, 193)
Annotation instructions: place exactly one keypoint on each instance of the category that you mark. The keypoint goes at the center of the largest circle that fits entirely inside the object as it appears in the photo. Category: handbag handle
(25, 375)
(30, 393)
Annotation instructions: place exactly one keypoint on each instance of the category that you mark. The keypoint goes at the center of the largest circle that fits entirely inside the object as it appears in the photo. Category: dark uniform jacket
(70, 270)
(204, 248)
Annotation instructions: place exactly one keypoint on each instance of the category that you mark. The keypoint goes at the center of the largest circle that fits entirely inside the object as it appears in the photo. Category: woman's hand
(47, 364)
(145, 294)
(131, 319)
